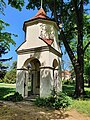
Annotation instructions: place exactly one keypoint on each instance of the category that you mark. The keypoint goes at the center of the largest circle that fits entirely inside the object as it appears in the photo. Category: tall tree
(6, 37)
(10, 76)
(2, 70)
(14, 65)
(5, 40)
(77, 13)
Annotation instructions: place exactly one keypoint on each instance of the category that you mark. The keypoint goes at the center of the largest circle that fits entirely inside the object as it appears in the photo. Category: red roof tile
(40, 14)
(47, 41)
(66, 72)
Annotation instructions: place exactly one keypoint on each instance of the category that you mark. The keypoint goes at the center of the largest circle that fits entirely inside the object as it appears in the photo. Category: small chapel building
(39, 57)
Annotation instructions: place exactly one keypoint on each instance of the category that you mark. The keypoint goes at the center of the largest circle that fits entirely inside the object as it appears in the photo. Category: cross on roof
(41, 3)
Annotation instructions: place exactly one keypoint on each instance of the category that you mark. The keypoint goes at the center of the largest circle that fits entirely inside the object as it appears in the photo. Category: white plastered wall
(58, 70)
(32, 38)
(45, 57)
(44, 60)
(46, 80)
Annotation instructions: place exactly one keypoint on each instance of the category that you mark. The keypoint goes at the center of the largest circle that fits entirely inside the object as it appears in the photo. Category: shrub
(40, 101)
(15, 98)
(59, 100)
(1, 80)
(63, 100)
(10, 76)
(2, 73)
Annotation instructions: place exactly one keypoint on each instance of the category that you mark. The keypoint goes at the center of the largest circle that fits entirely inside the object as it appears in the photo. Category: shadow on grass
(5, 91)
(69, 89)
(87, 94)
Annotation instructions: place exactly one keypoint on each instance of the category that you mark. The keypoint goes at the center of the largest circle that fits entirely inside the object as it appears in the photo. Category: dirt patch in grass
(27, 111)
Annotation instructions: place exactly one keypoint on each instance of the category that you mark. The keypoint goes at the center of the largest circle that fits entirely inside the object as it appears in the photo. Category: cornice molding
(33, 50)
(40, 49)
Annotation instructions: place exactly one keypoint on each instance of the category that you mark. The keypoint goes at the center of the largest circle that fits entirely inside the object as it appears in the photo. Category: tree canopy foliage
(5, 40)
(10, 75)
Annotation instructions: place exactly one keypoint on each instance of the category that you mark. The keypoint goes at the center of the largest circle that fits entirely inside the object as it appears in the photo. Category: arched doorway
(33, 81)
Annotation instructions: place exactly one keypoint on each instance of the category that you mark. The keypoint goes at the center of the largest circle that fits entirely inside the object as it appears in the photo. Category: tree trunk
(79, 88)
(78, 68)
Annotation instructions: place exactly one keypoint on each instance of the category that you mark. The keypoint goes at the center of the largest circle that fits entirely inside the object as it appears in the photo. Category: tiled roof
(66, 72)
(40, 14)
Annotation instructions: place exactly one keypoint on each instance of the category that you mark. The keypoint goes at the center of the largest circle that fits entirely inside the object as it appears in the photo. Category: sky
(16, 19)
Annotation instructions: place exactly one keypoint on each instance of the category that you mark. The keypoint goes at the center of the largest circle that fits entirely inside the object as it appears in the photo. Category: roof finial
(41, 3)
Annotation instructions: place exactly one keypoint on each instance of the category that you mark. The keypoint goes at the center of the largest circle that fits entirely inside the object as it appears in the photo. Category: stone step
(31, 98)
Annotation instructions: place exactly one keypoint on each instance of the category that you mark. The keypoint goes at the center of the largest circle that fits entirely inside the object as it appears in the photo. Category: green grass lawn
(82, 106)
(7, 85)
(70, 88)
(6, 89)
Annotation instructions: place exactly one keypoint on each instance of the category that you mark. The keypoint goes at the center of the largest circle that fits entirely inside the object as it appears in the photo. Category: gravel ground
(25, 110)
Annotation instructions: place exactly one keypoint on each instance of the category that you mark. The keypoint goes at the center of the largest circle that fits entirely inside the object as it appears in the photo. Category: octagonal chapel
(39, 57)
